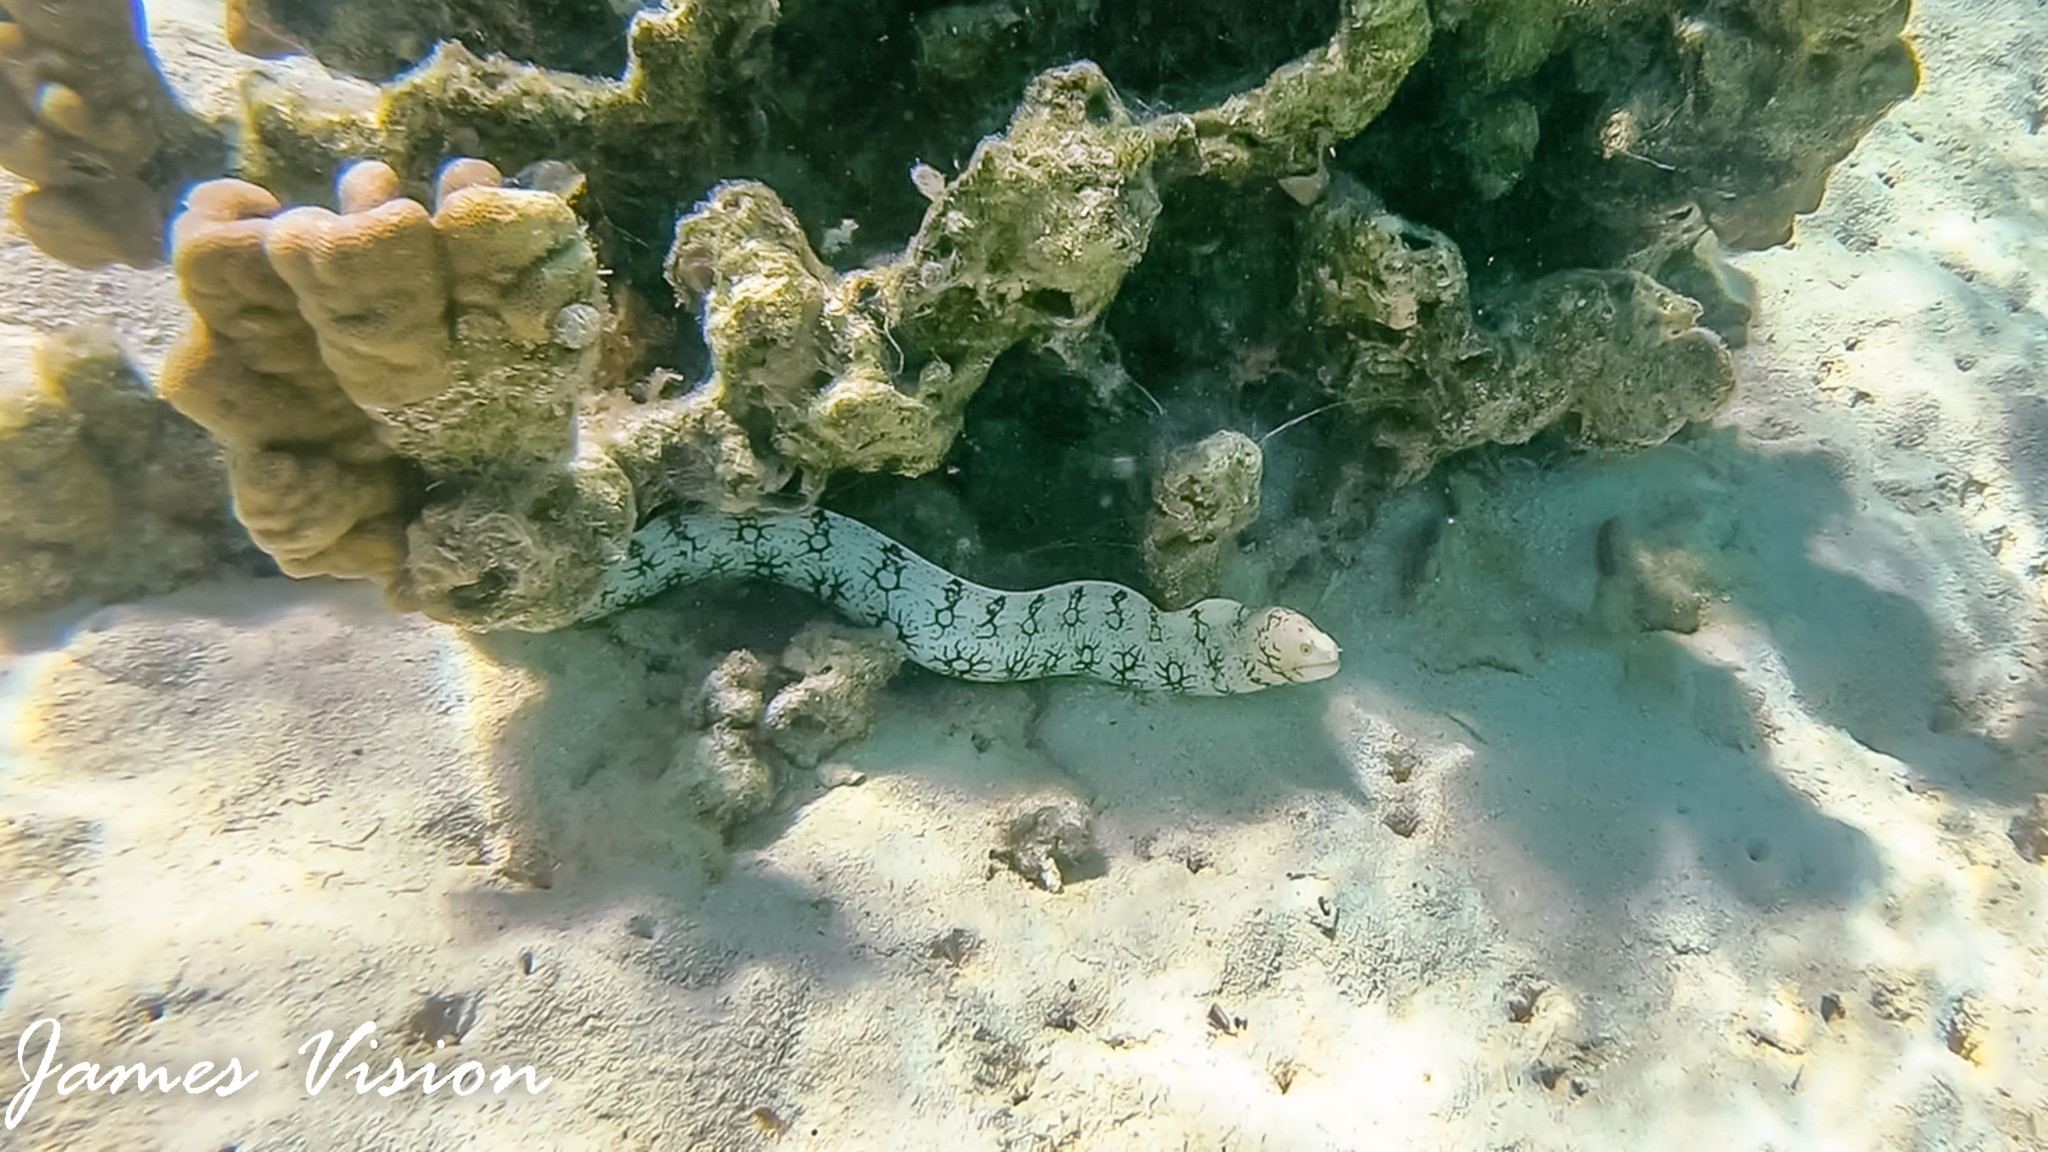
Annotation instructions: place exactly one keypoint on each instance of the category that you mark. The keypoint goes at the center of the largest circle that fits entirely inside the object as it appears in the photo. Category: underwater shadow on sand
(1865, 655)
(605, 847)
(1611, 765)
(2026, 423)
(1613, 761)
(612, 849)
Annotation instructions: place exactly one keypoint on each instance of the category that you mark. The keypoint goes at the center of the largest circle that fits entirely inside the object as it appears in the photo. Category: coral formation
(1207, 494)
(684, 448)
(1284, 126)
(104, 491)
(88, 120)
(1401, 342)
(382, 39)
(1618, 131)
(636, 136)
(486, 427)
(397, 389)
(872, 371)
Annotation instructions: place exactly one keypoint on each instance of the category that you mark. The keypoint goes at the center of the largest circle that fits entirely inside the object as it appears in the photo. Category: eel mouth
(1319, 665)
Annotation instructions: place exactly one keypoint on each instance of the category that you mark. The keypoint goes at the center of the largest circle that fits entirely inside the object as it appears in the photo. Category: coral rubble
(759, 719)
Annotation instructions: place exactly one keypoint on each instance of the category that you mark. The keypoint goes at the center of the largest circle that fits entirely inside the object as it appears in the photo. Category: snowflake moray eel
(1088, 628)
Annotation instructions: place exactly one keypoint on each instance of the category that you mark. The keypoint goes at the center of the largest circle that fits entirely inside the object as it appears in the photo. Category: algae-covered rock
(521, 550)
(1645, 111)
(59, 508)
(1727, 296)
(758, 719)
(1327, 96)
(1207, 494)
(1630, 354)
(87, 119)
(1034, 236)
(105, 491)
(1651, 578)
(872, 371)
(684, 449)
(1405, 351)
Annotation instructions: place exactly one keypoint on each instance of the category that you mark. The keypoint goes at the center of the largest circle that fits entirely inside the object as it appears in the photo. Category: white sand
(237, 816)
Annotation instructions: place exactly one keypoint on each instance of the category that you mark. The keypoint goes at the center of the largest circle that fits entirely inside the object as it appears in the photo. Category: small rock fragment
(1523, 995)
(1316, 898)
(1222, 1021)
(929, 181)
(1065, 1016)
(1324, 916)
(767, 1121)
(1963, 1028)
(2029, 831)
(1048, 840)
(441, 1019)
(1782, 1022)
(955, 946)
(1897, 997)
(843, 672)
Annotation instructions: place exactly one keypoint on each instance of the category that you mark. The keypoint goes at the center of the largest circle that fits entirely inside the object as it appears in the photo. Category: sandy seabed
(1515, 879)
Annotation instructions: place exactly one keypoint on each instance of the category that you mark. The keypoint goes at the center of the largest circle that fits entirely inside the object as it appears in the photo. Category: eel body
(1087, 628)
